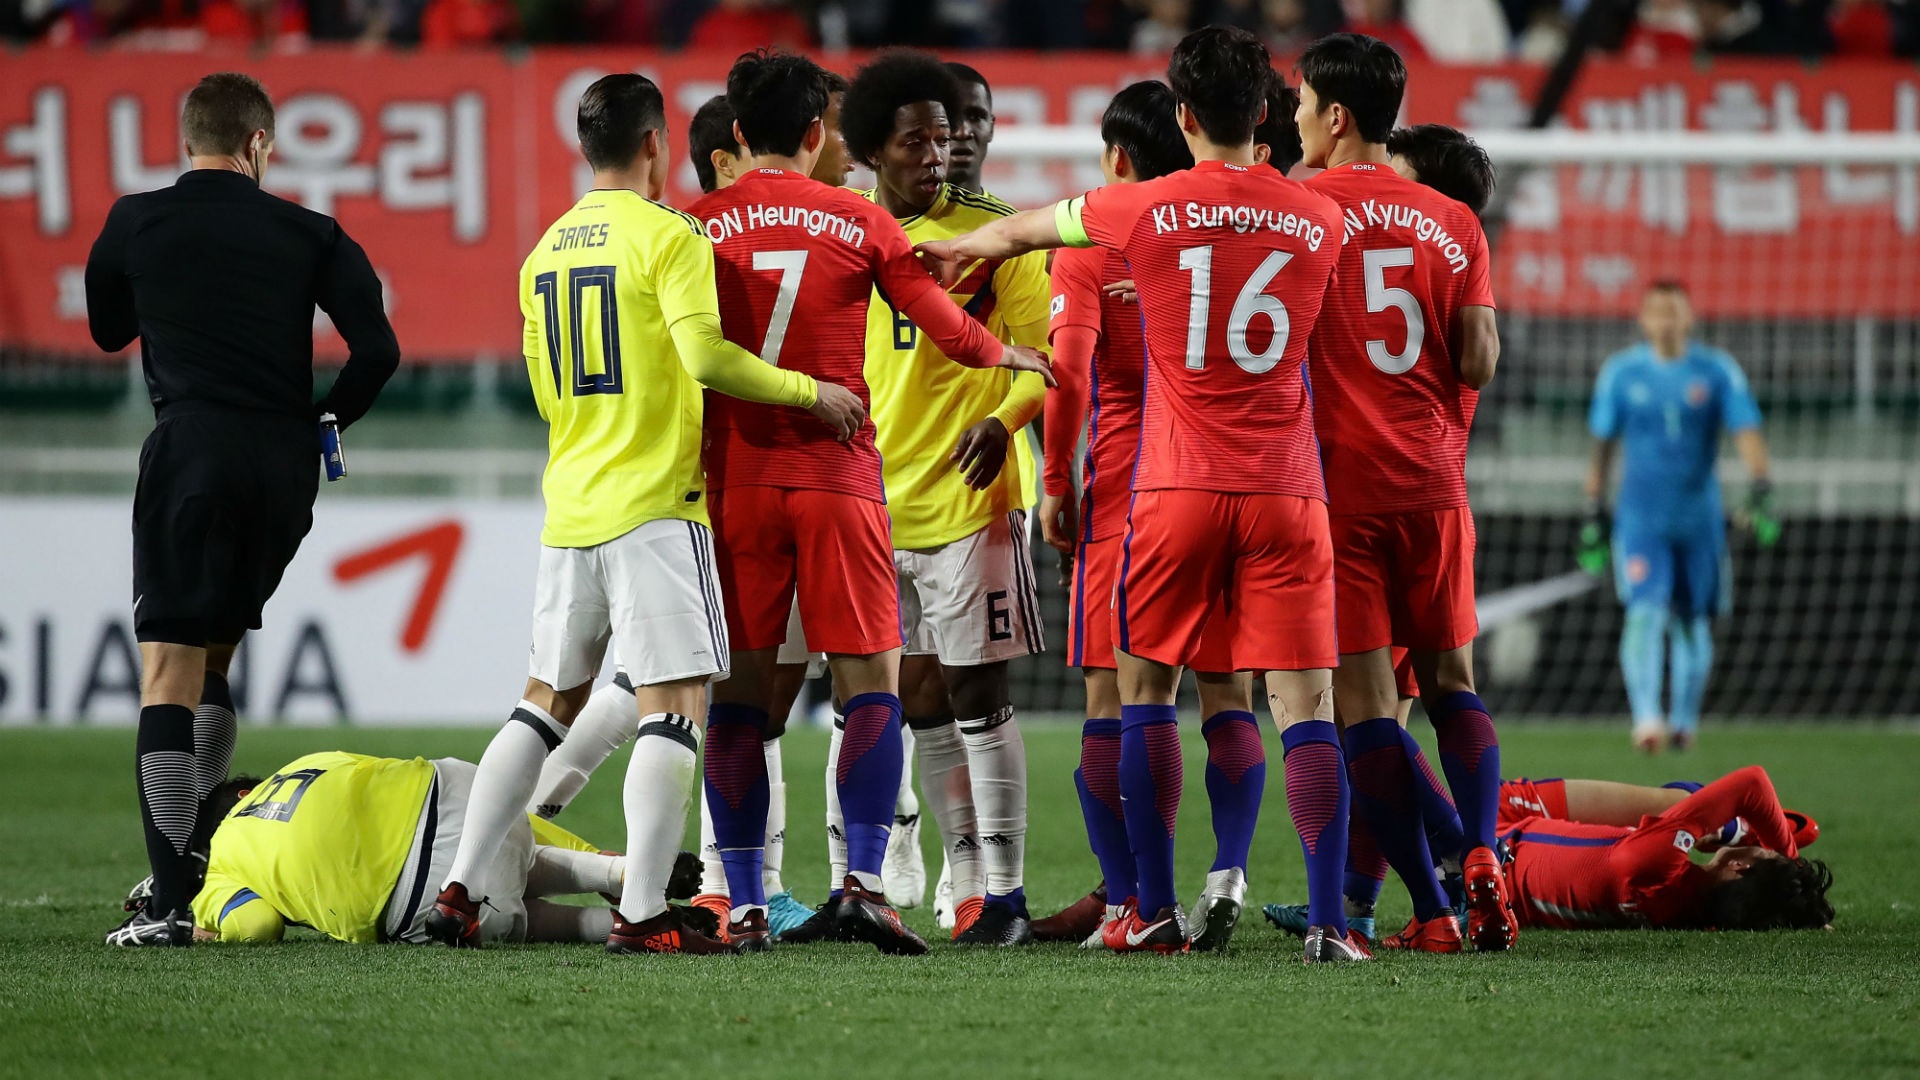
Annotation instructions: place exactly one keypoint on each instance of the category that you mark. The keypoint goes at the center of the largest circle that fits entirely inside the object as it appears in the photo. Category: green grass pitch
(1622, 1004)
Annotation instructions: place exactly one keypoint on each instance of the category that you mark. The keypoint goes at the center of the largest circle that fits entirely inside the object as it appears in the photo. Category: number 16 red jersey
(1392, 412)
(1231, 265)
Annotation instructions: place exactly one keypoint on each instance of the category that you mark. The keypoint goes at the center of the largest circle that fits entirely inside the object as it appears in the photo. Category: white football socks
(713, 872)
(660, 779)
(908, 804)
(997, 760)
(605, 724)
(949, 798)
(559, 871)
(836, 821)
(502, 785)
(776, 820)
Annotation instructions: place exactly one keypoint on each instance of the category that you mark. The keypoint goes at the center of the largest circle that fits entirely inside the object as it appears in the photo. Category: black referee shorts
(223, 501)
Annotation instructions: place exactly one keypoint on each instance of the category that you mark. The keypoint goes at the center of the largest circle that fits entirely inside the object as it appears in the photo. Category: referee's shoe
(143, 928)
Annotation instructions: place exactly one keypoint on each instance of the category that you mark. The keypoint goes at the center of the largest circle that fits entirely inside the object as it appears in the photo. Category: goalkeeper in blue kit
(1667, 400)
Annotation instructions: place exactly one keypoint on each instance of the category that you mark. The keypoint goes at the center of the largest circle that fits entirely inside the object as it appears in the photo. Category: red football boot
(1165, 934)
(1440, 934)
(664, 933)
(455, 918)
(1490, 922)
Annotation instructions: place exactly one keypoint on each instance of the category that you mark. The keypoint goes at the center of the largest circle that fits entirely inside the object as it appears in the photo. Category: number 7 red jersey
(1231, 265)
(795, 265)
(1392, 412)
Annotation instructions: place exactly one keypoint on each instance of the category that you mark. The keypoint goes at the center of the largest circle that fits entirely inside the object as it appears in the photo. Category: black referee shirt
(218, 280)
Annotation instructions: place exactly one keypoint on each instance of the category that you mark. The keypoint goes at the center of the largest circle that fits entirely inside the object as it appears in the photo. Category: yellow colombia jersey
(599, 294)
(320, 844)
(923, 402)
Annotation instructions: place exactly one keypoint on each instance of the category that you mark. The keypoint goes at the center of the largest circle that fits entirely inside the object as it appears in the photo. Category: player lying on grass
(1574, 876)
(1099, 346)
(350, 845)
(1584, 802)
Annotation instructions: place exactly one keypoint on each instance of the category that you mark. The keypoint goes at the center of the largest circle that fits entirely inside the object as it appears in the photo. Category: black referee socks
(169, 802)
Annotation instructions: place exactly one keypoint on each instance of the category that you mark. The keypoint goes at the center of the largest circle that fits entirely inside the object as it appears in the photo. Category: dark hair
(895, 78)
(1669, 285)
(216, 806)
(1280, 131)
(776, 97)
(223, 111)
(1140, 121)
(967, 74)
(615, 115)
(711, 129)
(836, 83)
(1773, 894)
(1448, 162)
(1363, 74)
(1220, 74)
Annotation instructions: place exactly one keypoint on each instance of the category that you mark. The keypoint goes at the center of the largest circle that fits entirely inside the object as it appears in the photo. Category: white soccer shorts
(653, 592)
(973, 601)
(442, 820)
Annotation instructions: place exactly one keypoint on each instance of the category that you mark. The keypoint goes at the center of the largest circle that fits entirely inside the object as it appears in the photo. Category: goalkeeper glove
(1595, 535)
(1757, 513)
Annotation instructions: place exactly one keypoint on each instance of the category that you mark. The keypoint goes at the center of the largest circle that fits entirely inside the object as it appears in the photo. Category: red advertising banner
(447, 166)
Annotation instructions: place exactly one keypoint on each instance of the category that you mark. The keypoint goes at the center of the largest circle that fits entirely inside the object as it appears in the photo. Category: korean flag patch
(1683, 840)
(1059, 306)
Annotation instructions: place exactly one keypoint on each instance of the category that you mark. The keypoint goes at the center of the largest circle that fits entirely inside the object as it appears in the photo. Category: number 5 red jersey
(1231, 265)
(1392, 412)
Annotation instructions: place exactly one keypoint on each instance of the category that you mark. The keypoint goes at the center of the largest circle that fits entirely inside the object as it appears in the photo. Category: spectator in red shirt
(460, 24)
(1862, 28)
(253, 22)
(737, 26)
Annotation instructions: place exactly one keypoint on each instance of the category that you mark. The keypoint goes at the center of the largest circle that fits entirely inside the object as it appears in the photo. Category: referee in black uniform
(218, 280)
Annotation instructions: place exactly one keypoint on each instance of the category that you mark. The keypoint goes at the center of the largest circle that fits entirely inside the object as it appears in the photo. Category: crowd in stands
(1445, 30)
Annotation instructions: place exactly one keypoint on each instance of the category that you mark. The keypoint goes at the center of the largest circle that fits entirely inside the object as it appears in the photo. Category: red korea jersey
(795, 265)
(1567, 875)
(1392, 412)
(1231, 265)
(1110, 407)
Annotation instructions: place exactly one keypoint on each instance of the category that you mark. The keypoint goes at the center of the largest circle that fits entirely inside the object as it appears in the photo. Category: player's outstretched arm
(1479, 346)
(1005, 238)
(962, 338)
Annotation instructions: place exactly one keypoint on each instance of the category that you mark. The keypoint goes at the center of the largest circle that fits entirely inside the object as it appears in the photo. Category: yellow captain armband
(1066, 218)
